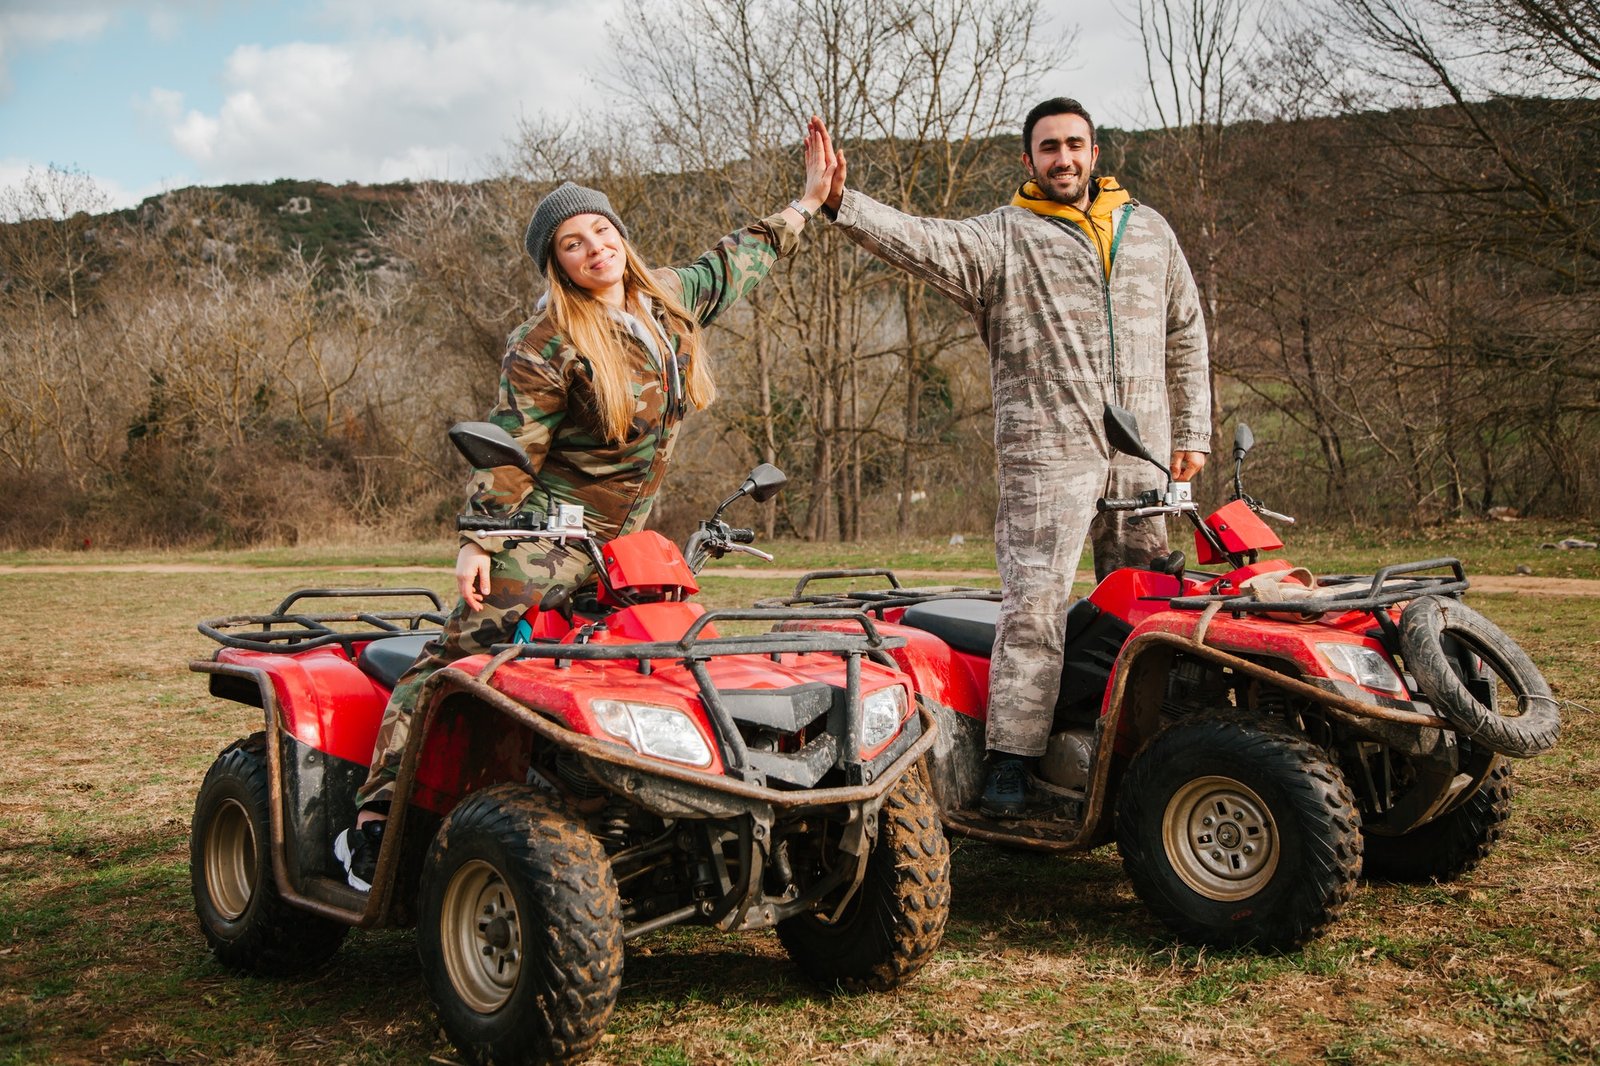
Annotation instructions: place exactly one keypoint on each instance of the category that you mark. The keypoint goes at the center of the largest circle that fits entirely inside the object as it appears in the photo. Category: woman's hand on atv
(472, 575)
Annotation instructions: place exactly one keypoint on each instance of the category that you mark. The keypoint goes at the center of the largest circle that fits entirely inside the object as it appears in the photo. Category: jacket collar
(1105, 197)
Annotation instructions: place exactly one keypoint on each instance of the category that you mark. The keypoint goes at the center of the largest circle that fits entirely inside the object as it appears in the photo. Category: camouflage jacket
(1063, 338)
(545, 401)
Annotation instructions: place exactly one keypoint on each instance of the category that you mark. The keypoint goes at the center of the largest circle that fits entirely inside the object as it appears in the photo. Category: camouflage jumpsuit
(1066, 332)
(545, 403)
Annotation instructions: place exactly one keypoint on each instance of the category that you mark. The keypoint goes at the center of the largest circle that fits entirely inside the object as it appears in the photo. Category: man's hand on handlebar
(1186, 465)
(472, 575)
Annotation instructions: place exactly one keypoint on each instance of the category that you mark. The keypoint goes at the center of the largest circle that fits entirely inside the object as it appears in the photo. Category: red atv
(625, 769)
(1257, 732)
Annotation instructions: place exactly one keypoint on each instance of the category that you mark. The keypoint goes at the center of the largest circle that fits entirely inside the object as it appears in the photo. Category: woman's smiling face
(588, 248)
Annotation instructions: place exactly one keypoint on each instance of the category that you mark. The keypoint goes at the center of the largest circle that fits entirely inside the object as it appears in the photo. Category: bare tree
(1196, 55)
(1438, 51)
(917, 89)
(50, 245)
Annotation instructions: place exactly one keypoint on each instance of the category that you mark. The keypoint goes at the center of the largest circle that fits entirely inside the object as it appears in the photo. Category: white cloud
(424, 89)
(30, 23)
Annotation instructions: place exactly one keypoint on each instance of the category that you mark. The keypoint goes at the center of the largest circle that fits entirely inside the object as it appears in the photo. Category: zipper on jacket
(1105, 277)
(1105, 288)
(676, 407)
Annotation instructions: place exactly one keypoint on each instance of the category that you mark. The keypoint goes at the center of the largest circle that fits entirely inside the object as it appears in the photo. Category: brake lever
(748, 550)
(1255, 505)
(1164, 509)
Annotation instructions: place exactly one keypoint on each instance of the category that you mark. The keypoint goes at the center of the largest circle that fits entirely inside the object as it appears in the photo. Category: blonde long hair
(599, 338)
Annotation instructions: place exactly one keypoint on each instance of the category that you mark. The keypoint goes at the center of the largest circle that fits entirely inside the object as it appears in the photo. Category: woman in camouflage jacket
(594, 387)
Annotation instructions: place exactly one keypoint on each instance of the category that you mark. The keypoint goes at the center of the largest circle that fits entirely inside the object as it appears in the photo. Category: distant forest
(1392, 208)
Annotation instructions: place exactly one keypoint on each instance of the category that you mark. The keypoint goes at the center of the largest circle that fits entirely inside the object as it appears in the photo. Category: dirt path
(1520, 584)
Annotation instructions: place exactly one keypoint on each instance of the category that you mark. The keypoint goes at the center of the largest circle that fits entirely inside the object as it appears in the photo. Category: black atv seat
(968, 625)
(386, 659)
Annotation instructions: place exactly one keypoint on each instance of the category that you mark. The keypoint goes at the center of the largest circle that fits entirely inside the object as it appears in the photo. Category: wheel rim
(230, 859)
(1220, 838)
(481, 936)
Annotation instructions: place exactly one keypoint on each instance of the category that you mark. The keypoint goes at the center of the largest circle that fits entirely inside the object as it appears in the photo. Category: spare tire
(1536, 725)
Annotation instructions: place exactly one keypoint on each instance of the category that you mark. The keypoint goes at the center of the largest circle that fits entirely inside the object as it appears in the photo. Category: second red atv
(1247, 734)
(626, 768)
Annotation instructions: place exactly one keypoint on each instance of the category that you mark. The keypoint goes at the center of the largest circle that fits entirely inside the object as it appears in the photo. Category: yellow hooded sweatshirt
(1099, 223)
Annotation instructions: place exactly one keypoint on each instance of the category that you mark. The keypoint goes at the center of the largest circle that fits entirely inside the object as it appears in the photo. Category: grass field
(105, 735)
(1485, 548)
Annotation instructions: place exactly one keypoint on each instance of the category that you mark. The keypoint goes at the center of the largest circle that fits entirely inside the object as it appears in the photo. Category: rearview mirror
(486, 446)
(764, 483)
(1243, 440)
(1122, 430)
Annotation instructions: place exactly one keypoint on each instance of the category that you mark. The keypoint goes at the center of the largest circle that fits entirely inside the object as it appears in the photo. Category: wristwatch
(800, 209)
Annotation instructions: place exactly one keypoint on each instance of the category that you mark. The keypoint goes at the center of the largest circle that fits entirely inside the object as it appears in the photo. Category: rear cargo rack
(283, 631)
(874, 601)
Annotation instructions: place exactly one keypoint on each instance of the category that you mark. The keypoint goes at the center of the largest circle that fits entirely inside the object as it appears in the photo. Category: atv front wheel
(894, 922)
(247, 923)
(519, 930)
(1450, 845)
(1238, 831)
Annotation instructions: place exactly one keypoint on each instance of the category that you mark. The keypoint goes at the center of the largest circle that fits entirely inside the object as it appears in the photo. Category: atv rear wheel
(1450, 845)
(1237, 831)
(519, 930)
(893, 924)
(247, 923)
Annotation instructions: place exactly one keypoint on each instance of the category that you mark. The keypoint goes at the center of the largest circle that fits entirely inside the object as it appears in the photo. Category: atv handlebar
(1148, 498)
(1177, 499)
(714, 539)
(482, 523)
(1150, 502)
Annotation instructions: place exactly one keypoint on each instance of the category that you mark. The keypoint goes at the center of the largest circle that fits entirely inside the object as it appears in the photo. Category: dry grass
(105, 735)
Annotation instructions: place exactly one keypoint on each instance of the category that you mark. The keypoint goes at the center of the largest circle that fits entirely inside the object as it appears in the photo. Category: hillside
(338, 222)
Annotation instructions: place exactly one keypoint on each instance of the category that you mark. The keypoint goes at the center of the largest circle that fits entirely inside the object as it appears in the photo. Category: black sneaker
(1005, 793)
(357, 849)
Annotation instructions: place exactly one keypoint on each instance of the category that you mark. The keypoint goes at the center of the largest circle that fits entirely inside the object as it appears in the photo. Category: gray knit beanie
(558, 206)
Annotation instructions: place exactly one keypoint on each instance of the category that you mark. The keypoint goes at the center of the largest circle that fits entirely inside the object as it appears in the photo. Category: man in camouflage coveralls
(1082, 297)
(615, 483)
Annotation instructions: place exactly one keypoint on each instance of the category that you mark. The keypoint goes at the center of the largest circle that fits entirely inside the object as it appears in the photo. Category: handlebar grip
(742, 536)
(482, 523)
(1105, 504)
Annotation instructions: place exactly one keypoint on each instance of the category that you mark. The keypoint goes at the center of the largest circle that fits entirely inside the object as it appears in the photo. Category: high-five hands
(822, 165)
(835, 192)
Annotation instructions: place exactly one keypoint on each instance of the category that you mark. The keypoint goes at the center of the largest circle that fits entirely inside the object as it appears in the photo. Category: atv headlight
(664, 732)
(1369, 668)
(881, 715)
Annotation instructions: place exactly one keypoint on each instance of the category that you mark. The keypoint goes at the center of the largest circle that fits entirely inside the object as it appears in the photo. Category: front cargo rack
(284, 631)
(693, 651)
(1385, 588)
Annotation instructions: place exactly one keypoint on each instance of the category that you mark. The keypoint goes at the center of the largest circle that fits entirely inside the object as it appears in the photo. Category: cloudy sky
(148, 95)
